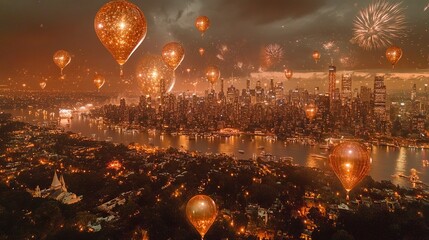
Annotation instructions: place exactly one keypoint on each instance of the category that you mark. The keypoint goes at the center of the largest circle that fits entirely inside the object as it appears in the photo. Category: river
(387, 162)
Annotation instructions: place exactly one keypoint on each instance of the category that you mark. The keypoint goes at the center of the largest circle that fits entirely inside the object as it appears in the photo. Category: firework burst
(379, 24)
(272, 54)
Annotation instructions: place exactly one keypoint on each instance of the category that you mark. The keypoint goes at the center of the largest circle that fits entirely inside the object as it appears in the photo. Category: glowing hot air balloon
(202, 23)
(173, 54)
(316, 56)
(288, 73)
(201, 51)
(42, 84)
(393, 54)
(201, 211)
(99, 81)
(121, 28)
(212, 74)
(310, 111)
(61, 59)
(351, 163)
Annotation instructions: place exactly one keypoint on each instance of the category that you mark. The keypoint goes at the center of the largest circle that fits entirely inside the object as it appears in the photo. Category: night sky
(32, 30)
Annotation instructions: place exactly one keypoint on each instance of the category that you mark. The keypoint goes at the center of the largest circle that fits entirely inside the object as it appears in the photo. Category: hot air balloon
(212, 74)
(201, 51)
(61, 59)
(173, 54)
(202, 23)
(351, 163)
(99, 81)
(42, 84)
(201, 211)
(288, 73)
(316, 56)
(393, 54)
(310, 111)
(121, 28)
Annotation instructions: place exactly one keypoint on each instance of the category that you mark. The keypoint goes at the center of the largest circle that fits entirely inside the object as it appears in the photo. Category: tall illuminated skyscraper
(414, 92)
(379, 96)
(346, 89)
(331, 87)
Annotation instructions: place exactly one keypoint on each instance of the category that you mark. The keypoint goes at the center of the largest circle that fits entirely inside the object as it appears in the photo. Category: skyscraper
(346, 89)
(414, 93)
(331, 86)
(162, 90)
(379, 97)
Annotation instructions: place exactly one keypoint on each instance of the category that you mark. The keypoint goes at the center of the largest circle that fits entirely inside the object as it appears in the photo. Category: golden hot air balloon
(201, 211)
(99, 81)
(351, 163)
(212, 74)
(201, 51)
(62, 59)
(288, 73)
(202, 23)
(154, 76)
(393, 54)
(311, 111)
(316, 56)
(173, 54)
(121, 28)
(42, 84)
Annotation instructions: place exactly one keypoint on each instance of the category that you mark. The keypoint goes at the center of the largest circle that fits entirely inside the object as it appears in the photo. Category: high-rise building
(259, 92)
(414, 92)
(365, 94)
(122, 103)
(379, 96)
(346, 89)
(332, 81)
(279, 91)
(272, 85)
(248, 84)
(162, 90)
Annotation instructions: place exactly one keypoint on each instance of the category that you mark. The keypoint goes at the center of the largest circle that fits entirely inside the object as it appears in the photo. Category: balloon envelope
(393, 54)
(99, 81)
(202, 23)
(42, 85)
(351, 163)
(121, 28)
(288, 73)
(212, 74)
(310, 111)
(316, 56)
(201, 51)
(62, 59)
(173, 54)
(201, 211)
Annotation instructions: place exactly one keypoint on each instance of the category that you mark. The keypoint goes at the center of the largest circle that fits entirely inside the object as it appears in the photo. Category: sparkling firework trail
(272, 55)
(379, 24)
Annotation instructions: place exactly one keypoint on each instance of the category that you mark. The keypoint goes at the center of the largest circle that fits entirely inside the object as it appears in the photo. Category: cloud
(265, 12)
